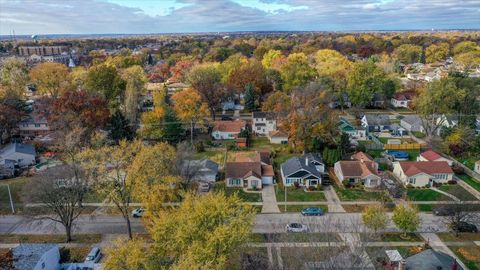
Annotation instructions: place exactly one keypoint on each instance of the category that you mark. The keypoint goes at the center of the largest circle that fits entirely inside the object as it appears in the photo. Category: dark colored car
(312, 211)
(466, 227)
(226, 118)
(443, 211)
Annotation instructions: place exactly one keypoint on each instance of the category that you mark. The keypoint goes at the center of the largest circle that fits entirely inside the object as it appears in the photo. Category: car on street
(312, 211)
(463, 226)
(93, 256)
(443, 211)
(296, 227)
(138, 212)
(203, 187)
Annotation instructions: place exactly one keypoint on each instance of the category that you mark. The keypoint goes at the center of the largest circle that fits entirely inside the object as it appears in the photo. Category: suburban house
(20, 154)
(412, 123)
(431, 259)
(431, 155)
(446, 121)
(277, 137)
(355, 133)
(203, 170)
(402, 99)
(422, 173)
(263, 123)
(376, 122)
(361, 169)
(477, 126)
(378, 100)
(307, 170)
(250, 172)
(477, 166)
(35, 124)
(36, 257)
(227, 130)
(335, 102)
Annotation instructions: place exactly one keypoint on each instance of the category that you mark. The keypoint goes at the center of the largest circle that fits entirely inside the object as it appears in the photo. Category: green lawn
(391, 237)
(426, 195)
(469, 180)
(469, 160)
(359, 194)
(425, 207)
(49, 238)
(461, 236)
(16, 189)
(263, 143)
(458, 191)
(281, 158)
(418, 134)
(246, 196)
(217, 156)
(299, 195)
(298, 208)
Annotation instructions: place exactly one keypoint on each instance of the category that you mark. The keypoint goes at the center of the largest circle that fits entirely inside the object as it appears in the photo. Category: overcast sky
(165, 16)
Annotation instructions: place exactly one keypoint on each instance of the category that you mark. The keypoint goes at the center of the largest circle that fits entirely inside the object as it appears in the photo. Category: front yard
(359, 194)
(470, 181)
(426, 194)
(246, 196)
(298, 195)
(469, 255)
(458, 191)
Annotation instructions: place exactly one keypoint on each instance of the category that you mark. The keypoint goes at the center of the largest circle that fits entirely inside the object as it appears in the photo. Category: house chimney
(402, 265)
(306, 161)
(454, 264)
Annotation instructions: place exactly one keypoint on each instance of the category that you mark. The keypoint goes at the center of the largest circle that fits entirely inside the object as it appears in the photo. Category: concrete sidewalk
(334, 203)
(269, 200)
(469, 188)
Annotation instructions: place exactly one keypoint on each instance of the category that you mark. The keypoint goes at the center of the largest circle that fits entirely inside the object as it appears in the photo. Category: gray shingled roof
(411, 119)
(26, 256)
(17, 148)
(430, 259)
(377, 119)
(295, 164)
(267, 115)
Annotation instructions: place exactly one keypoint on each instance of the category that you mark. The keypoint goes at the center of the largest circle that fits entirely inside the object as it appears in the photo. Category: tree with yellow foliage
(375, 218)
(272, 59)
(296, 71)
(50, 78)
(200, 234)
(189, 107)
(436, 52)
(135, 79)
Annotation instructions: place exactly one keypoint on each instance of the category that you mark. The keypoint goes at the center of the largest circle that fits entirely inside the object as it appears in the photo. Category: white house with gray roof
(264, 122)
(21, 154)
(307, 170)
(412, 123)
(376, 122)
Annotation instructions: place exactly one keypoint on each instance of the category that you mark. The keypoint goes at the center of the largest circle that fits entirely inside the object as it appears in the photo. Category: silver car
(94, 256)
(296, 228)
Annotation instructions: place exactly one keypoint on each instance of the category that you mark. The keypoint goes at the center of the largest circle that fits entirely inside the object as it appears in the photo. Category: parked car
(312, 211)
(138, 212)
(203, 187)
(463, 226)
(296, 227)
(226, 118)
(93, 256)
(443, 211)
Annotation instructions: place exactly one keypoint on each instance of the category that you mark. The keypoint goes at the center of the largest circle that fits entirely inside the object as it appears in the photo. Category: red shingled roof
(431, 155)
(229, 126)
(411, 168)
(405, 95)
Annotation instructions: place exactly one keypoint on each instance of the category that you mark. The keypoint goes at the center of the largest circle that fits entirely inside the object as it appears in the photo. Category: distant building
(412, 123)
(402, 99)
(36, 257)
(41, 50)
(376, 122)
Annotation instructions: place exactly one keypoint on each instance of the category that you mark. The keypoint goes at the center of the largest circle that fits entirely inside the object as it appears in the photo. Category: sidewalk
(469, 188)
(446, 194)
(269, 200)
(334, 203)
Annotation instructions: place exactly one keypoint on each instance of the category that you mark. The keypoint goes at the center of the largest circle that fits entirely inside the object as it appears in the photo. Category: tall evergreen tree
(119, 128)
(249, 98)
(173, 131)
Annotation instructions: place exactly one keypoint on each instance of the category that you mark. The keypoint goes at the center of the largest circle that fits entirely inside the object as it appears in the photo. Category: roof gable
(411, 168)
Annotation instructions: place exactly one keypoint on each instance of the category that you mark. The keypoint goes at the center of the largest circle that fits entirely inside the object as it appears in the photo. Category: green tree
(271, 59)
(375, 218)
(51, 78)
(105, 80)
(119, 128)
(408, 53)
(173, 131)
(465, 47)
(436, 52)
(135, 79)
(296, 71)
(406, 218)
(249, 98)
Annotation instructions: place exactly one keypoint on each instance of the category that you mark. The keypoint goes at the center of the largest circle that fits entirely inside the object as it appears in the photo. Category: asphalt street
(264, 223)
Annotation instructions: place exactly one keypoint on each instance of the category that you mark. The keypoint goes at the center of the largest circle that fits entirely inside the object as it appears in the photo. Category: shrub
(296, 185)
(452, 182)
(311, 188)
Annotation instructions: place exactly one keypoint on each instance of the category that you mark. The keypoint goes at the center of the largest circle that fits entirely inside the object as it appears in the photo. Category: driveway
(269, 200)
(334, 204)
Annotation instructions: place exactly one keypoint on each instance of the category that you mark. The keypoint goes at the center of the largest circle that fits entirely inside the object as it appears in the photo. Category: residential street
(264, 223)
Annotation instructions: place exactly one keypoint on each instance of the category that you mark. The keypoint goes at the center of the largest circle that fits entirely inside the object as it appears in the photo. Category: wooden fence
(403, 146)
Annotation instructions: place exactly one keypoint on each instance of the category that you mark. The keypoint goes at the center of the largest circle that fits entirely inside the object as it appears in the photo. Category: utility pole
(191, 132)
(11, 201)
(285, 206)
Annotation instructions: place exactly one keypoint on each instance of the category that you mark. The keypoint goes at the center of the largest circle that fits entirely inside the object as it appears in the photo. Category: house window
(258, 128)
(37, 125)
(235, 182)
(411, 180)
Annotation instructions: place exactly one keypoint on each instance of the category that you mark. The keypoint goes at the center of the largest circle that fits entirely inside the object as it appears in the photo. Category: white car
(94, 256)
(138, 212)
(296, 227)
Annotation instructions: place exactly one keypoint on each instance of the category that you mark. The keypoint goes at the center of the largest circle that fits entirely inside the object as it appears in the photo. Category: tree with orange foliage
(250, 73)
(189, 107)
(51, 78)
(180, 70)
